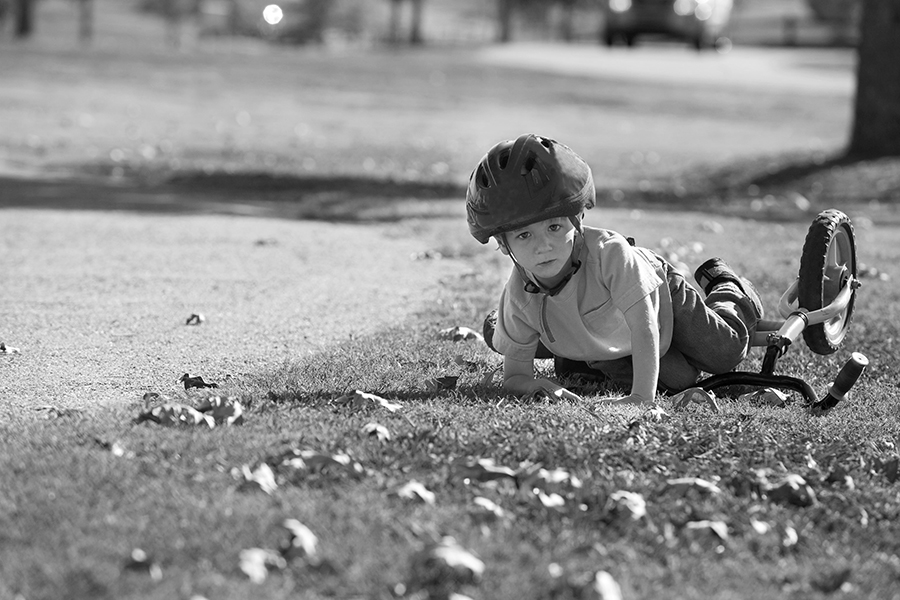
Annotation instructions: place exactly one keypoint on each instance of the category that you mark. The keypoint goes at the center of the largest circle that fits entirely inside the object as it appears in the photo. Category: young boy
(585, 295)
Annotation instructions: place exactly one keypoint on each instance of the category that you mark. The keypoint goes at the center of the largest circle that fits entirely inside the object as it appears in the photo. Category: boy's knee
(727, 357)
(488, 328)
(676, 373)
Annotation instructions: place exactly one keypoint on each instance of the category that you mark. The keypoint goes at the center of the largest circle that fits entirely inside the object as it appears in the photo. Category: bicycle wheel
(828, 262)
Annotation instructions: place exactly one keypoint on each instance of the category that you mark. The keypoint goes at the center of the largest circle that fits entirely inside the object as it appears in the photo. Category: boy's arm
(643, 322)
(518, 377)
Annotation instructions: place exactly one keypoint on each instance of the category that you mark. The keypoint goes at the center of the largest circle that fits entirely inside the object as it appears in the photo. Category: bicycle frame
(777, 335)
(795, 320)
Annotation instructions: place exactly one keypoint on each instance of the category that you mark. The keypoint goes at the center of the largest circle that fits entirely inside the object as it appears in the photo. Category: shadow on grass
(331, 198)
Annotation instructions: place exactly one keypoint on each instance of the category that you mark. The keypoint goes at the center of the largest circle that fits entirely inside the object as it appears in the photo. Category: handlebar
(845, 380)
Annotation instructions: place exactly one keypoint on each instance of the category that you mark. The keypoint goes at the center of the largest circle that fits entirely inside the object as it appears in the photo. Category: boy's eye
(555, 227)
(523, 236)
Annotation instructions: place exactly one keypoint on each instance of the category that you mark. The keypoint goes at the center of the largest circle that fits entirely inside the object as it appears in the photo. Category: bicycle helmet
(524, 181)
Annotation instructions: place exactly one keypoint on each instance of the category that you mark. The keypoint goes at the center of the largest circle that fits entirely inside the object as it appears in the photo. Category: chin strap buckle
(533, 288)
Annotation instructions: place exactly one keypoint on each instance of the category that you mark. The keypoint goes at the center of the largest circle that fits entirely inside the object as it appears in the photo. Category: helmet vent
(482, 177)
(548, 144)
(503, 159)
(528, 165)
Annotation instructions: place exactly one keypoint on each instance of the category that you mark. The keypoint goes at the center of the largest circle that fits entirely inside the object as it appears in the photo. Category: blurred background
(784, 22)
(331, 104)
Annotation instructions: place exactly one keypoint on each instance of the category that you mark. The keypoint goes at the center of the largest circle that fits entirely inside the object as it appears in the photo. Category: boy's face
(544, 248)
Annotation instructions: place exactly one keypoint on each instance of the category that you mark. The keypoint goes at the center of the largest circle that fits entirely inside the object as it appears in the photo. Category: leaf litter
(460, 334)
(4, 349)
(441, 568)
(413, 490)
(303, 546)
(210, 412)
(195, 382)
(195, 319)
(377, 431)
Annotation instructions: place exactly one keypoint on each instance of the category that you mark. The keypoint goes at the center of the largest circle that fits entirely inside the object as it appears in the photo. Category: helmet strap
(532, 286)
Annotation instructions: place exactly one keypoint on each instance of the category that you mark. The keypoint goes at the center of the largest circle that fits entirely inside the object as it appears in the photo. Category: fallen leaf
(657, 414)
(225, 410)
(790, 538)
(358, 399)
(376, 430)
(437, 384)
(310, 460)
(443, 566)
(717, 527)
(760, 527)
(766, 397)
(151, 397)
(304, 543)
(551, 500)
(175, 414)
(606, 587)
(791, 489)
(481, 470)
(413, 490)
(630, 504)
(487, 509)
(466, 364)
(195, 319)
(140, 561)
(695, 395)
(115, 448)
(682, 485)
(195, 382)
(261, 478)
(256, 562)
(4, 349)
(488, 377)
(55, 412)
(547, 480)
(831, 581)
(460, 334)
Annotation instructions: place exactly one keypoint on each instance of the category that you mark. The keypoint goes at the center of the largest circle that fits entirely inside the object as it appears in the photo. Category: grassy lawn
(309, 202)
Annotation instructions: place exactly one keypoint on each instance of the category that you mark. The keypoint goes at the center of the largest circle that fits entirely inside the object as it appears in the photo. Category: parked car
(700, 22)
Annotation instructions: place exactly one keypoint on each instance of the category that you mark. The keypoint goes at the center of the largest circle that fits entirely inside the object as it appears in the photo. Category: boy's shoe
(715, 271)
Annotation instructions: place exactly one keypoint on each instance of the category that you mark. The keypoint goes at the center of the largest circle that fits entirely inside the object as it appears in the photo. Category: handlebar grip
(845, 380)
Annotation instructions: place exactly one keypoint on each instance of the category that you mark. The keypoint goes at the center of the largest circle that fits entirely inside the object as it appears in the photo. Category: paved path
(97, 301)
(801, 70)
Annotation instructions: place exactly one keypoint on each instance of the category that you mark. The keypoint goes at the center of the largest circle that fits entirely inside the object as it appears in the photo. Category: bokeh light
(273, 14)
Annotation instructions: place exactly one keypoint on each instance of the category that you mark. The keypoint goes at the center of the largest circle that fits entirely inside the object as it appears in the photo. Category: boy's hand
(551, 390)
(518, 377)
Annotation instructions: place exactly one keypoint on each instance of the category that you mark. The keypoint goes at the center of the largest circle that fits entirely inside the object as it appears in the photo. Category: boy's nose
(544, 243)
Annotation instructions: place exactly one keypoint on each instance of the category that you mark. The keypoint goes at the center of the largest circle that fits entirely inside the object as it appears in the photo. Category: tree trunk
(24, 18)
(876, 123)
(567, 24)
(415, 32)
(394, 25)
(86, 20)
(504, 20)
